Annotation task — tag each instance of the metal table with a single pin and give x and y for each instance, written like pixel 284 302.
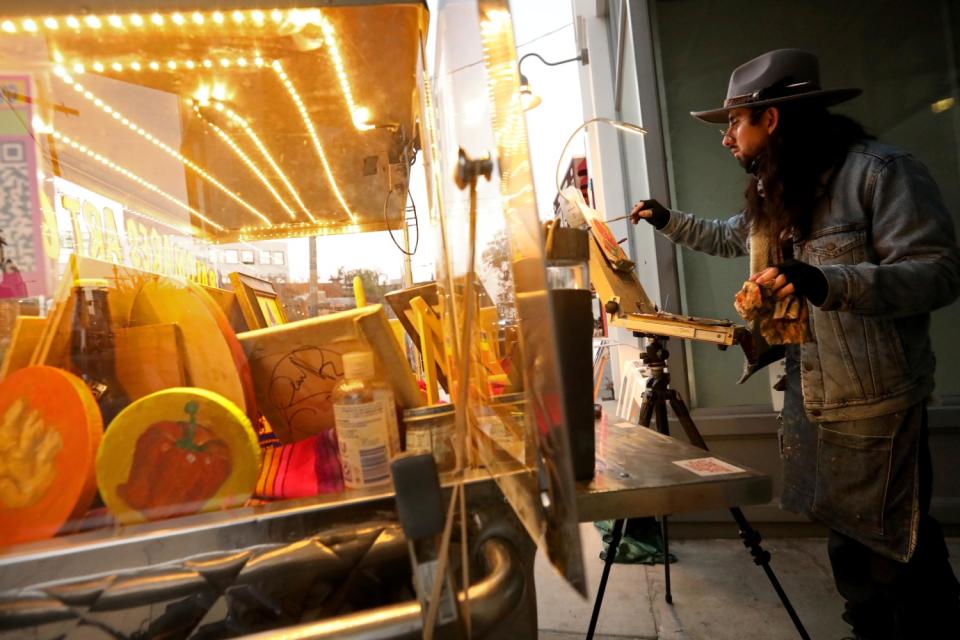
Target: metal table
pixel 636 476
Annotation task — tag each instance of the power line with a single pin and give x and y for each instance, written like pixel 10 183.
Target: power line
pixel 522 44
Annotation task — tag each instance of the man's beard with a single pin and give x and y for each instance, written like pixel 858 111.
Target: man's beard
pixel 751 164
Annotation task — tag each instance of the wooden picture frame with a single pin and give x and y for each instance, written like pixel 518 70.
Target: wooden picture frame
pixel 259 301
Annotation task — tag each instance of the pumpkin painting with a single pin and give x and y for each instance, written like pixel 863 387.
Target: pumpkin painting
pixel 177 466
pixel 177 452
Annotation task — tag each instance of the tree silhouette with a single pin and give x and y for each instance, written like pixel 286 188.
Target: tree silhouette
pixel 374 282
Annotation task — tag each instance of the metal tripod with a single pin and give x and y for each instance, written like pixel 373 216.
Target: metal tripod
pixel 654 403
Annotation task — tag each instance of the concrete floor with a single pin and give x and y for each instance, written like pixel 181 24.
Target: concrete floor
pixel 718 594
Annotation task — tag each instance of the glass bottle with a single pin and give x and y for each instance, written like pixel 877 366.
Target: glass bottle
pixel 366 425
pixel 93 349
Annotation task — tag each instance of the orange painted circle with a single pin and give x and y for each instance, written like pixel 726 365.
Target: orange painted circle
pixel 177 452
pixel 50 429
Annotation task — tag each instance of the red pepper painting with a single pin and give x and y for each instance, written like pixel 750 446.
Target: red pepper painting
pixel 177 466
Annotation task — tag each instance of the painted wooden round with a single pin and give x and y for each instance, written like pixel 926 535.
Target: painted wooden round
pixel 50 428
pixel 213 357
pixel 177 452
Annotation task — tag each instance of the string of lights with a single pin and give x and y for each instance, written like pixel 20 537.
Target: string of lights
pixel 254 23
pixel 238 120
pixel 110 164
pixel 38 126
pixel 311 130
pixel 256 19
pixel 240 153
pixel 359 115
pixel 149 137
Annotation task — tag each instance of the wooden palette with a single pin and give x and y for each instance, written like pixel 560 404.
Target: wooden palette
pixel 50 428
pixel 177 452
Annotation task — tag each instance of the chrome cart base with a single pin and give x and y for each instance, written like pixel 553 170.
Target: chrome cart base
pixel 305 570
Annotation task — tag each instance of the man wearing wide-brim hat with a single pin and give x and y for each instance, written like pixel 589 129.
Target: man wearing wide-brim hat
pixel 851 248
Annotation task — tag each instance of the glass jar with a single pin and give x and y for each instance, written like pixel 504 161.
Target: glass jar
pixel 432 430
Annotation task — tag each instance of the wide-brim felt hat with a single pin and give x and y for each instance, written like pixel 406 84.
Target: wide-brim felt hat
pixel 776 77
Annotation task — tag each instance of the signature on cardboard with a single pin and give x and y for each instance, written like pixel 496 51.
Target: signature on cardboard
pixel 301 384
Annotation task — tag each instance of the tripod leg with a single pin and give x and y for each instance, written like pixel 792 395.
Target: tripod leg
pixel 646 408
pixel 615 536
pixel 667 591
pixel 683 416
pixel 660 408
pixel 761 557
pixel 749 535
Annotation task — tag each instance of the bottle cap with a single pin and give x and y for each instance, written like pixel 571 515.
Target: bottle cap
pixel 358 364
pixel 91 283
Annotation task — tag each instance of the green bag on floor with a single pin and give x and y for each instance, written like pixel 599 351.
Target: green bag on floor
pixel 641 543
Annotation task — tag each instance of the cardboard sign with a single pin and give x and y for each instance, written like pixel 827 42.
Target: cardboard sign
pixel 24 267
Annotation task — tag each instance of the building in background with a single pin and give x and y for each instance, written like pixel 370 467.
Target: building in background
pixel 266 259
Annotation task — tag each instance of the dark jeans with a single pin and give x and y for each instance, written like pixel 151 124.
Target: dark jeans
pixel 887 599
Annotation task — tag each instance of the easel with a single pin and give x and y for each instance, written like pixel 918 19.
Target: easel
pixel 615 286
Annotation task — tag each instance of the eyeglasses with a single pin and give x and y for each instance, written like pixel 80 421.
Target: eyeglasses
pixel 731 127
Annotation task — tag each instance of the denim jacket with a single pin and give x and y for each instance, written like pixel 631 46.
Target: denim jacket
pixel 850 442
pixel 885 242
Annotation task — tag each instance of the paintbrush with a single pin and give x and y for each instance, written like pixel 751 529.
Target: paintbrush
pixel 617 219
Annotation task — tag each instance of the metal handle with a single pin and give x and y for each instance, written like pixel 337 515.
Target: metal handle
pixel 491 599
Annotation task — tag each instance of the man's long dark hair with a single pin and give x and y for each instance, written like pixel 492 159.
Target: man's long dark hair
pixel 808 142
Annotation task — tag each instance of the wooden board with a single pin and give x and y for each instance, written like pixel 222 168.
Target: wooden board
pixel 296 365
pixel 399 301
pixel 149 358
pixel 54 346
pixel 50 428
pixel 615 285
pixel 607 242
pixel 227 301
pixel 177 452
pixel 27 332
pixel 213 358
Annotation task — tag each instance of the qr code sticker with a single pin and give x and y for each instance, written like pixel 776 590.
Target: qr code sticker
pixel 17 248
